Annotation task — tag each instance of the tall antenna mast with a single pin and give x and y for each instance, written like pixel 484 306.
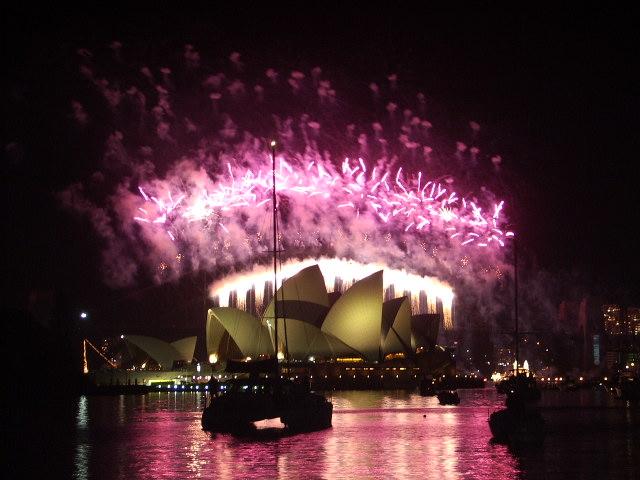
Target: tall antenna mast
pixel 275 245
pixel 515 300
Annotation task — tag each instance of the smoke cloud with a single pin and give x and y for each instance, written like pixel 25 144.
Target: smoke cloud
pixel 186 175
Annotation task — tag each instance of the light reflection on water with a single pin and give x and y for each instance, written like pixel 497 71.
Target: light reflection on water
pixel 374 435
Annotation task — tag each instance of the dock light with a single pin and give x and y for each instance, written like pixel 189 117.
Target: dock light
pixel 83 315
pixel 605 379
pixel 581 379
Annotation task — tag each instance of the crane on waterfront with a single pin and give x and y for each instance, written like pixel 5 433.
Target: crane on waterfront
pixel 85 363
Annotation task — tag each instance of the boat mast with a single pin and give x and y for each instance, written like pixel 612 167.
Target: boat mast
pixel 515 299
pixel 275 247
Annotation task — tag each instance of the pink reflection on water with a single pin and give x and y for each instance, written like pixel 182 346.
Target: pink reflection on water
pixel 374 435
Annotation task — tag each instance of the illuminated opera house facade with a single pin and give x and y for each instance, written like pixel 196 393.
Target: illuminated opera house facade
pixel 359 325
pixel 328 310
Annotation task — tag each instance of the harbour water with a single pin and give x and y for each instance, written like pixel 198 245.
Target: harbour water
pixel 375 434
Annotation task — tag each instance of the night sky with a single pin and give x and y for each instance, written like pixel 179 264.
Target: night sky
pixel 555 89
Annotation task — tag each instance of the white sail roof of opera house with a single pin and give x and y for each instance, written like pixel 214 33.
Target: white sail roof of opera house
pixel 186 347
pixel 249 334
pixel 396 325
pixel 356 316
pixel 164 353
pixel 302 297
pixel 357 324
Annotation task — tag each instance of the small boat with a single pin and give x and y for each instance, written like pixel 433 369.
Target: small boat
pixel 518 424
pixel 236 404
pixel 448 397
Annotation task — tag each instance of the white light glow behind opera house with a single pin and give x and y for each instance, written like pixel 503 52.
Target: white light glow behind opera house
pixel 339 301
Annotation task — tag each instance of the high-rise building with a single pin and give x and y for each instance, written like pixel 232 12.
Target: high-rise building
pixel 622 327
pixel 613 321
pixel 632 321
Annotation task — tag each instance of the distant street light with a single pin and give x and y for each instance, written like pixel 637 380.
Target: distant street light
pixel 84 315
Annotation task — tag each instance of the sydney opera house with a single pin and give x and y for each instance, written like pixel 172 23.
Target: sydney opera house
pixel 361 319
pixel 331 313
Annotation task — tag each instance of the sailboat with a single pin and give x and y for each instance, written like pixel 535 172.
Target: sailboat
pixel 236 404
pixel 520 423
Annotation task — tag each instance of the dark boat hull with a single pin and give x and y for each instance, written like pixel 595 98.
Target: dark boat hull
pixel 236 413
pixel 513 427
pixel 308 418
pixel 231 414
pixel 448 398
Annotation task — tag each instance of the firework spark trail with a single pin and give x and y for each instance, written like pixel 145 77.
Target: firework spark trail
pixel 197 184
pixel 407 206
